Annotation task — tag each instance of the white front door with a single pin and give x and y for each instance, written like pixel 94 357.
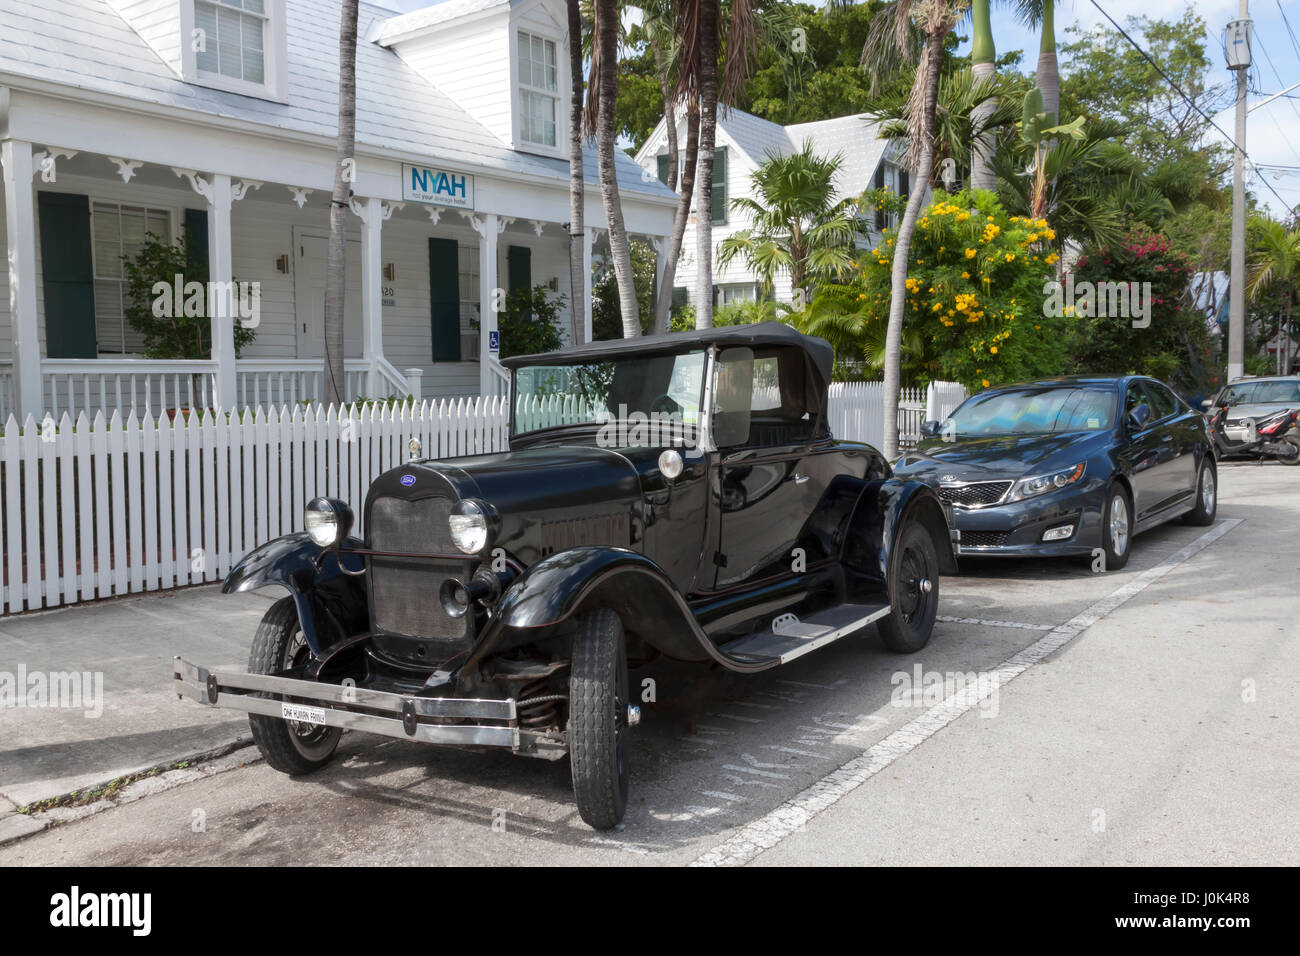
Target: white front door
pixel 309 297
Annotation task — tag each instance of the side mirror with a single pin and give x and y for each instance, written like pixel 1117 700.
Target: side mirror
pixel 1206 403
pixel 1138 418
pixel 929 429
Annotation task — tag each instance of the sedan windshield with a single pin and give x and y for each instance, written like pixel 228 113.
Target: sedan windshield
pixel 654 399
pixel 1033 411
pixel 1280 392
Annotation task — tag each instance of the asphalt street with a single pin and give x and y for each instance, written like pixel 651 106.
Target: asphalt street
pixel 1058 716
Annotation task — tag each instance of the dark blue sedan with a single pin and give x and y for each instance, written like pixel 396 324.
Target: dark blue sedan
pixel 1066 466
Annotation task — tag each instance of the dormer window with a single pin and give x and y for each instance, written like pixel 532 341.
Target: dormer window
pixel 235 45
pixel 233 38
pixel 538 90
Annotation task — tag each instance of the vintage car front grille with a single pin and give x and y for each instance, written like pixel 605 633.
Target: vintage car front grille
pixel 983 539
pixel 975 494
pixel 404 591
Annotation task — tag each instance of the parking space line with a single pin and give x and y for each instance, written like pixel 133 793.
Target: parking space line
pixel 983 623
pixel 775 826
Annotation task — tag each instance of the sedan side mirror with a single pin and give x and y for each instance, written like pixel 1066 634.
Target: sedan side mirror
pixel 929 429
pixel 1206 403
pixel 1138 418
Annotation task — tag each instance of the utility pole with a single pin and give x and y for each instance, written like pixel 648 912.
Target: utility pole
pixel 1237 49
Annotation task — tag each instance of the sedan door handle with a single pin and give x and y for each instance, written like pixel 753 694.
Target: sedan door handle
pixel 798 478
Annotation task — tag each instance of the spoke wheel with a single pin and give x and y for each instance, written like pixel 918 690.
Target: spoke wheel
pixel 1116 527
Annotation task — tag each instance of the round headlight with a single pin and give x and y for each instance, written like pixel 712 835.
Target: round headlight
pixel 328 521
pixel 469 526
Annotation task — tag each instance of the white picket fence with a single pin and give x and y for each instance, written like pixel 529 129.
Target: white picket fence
pixel 98 508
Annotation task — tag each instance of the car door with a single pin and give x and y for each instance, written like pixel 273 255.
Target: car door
pixel 1143 450
pixel 1185 438
pixel 771 474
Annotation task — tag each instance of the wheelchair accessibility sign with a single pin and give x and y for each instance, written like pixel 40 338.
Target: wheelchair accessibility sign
pixel 494 341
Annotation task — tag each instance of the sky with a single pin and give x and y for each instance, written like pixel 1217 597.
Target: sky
pixel 1272 131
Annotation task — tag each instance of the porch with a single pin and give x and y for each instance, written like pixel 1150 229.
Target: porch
pixel 417 275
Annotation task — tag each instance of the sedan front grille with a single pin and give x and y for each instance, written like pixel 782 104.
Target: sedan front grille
pixel 983 539
pixel 404 591
pixel 975 494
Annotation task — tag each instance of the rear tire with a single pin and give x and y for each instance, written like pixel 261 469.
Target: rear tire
pixel 1207 495
pixel 1294 459
pixel 287 746
pixel 913 592
pixel 598 728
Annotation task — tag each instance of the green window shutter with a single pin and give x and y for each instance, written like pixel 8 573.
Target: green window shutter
pixel 444 299
pixel 68 275
pixel 663 168
pixel 719 194
pixel 196 224
pixel 880 184
pixel 519 268
pixel 903 188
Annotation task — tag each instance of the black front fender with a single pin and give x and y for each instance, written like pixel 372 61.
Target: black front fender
pixel 556 588
pixel 331 604
pixel 884 510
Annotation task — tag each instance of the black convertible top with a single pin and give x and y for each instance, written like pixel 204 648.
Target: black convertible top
pixel 820 354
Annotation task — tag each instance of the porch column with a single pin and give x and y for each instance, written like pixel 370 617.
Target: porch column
pixel 487 296
pixel 20 234
pixel 372 216
pixel 221 270
pixel 588 237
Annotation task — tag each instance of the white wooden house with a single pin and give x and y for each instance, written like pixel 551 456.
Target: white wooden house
pixel 121 117
pixel 743 142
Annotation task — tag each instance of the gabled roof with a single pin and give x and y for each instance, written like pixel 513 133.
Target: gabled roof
pixel 84 45
pixel 854 137
pixel 388 29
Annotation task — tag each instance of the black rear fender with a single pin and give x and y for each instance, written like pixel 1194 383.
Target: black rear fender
pixel 332 605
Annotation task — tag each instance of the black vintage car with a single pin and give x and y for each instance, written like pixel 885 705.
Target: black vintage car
pixel 678 495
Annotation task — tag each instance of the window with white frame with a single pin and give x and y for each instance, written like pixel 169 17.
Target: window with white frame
pixel 539 100
pixel 230 39
pixel 119 231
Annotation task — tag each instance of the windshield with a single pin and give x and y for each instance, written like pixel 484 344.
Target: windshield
pixel 656 397
pixel 1282 392
pixel 1033 411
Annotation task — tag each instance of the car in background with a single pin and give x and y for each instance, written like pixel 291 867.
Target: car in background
pixel 1066 466
pixel 1257 418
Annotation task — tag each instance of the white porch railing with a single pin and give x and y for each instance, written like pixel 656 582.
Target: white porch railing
pixel 162 387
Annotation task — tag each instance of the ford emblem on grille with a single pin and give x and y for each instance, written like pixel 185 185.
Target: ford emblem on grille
pixel 408 480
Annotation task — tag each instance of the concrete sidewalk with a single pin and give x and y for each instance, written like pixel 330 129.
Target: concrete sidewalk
pixel 49 749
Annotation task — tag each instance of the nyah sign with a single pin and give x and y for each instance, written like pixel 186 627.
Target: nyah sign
pixel 441 187
pixel 1107 300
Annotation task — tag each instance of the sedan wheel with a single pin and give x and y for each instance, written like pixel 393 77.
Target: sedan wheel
pixel 1207 496
pixel 1117 528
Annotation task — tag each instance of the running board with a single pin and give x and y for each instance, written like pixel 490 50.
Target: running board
pixel 790 637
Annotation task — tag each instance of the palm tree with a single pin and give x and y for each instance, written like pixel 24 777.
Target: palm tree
pixel 983 67
pixel 796 224
pixel 707 12
pixel 344 169
pixel 1036 14
pixel 577 185
pixel 892 39
pixel 1277 264
pixel 601 100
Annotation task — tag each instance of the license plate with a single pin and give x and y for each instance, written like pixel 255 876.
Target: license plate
pixel 301 714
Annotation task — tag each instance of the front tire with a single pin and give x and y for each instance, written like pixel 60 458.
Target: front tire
pixel 1117 527
pixel 1207 496
pixel 1295 458
pixel 913 592
pixel 598 726
pixel 288 746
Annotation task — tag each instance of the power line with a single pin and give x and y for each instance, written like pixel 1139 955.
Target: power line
pixel 1294 42
pixel 1190 102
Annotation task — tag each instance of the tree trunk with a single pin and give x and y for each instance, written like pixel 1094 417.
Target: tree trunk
pixel 577 186
pixel 685 197
pixel 983 67
pixel 670 112
pixel 704 192
pixel 1048 79
pixel 344 175
pixel 931 61
pixel 620 252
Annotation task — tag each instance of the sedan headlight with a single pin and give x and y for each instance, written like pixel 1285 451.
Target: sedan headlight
pixel 468 523
pixel 1041 484
pixel 328 521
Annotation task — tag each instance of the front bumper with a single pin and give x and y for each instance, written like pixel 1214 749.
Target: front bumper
pixel 1016 529
pixel 454 721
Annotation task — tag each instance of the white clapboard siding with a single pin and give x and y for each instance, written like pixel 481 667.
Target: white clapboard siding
pixel 98 508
